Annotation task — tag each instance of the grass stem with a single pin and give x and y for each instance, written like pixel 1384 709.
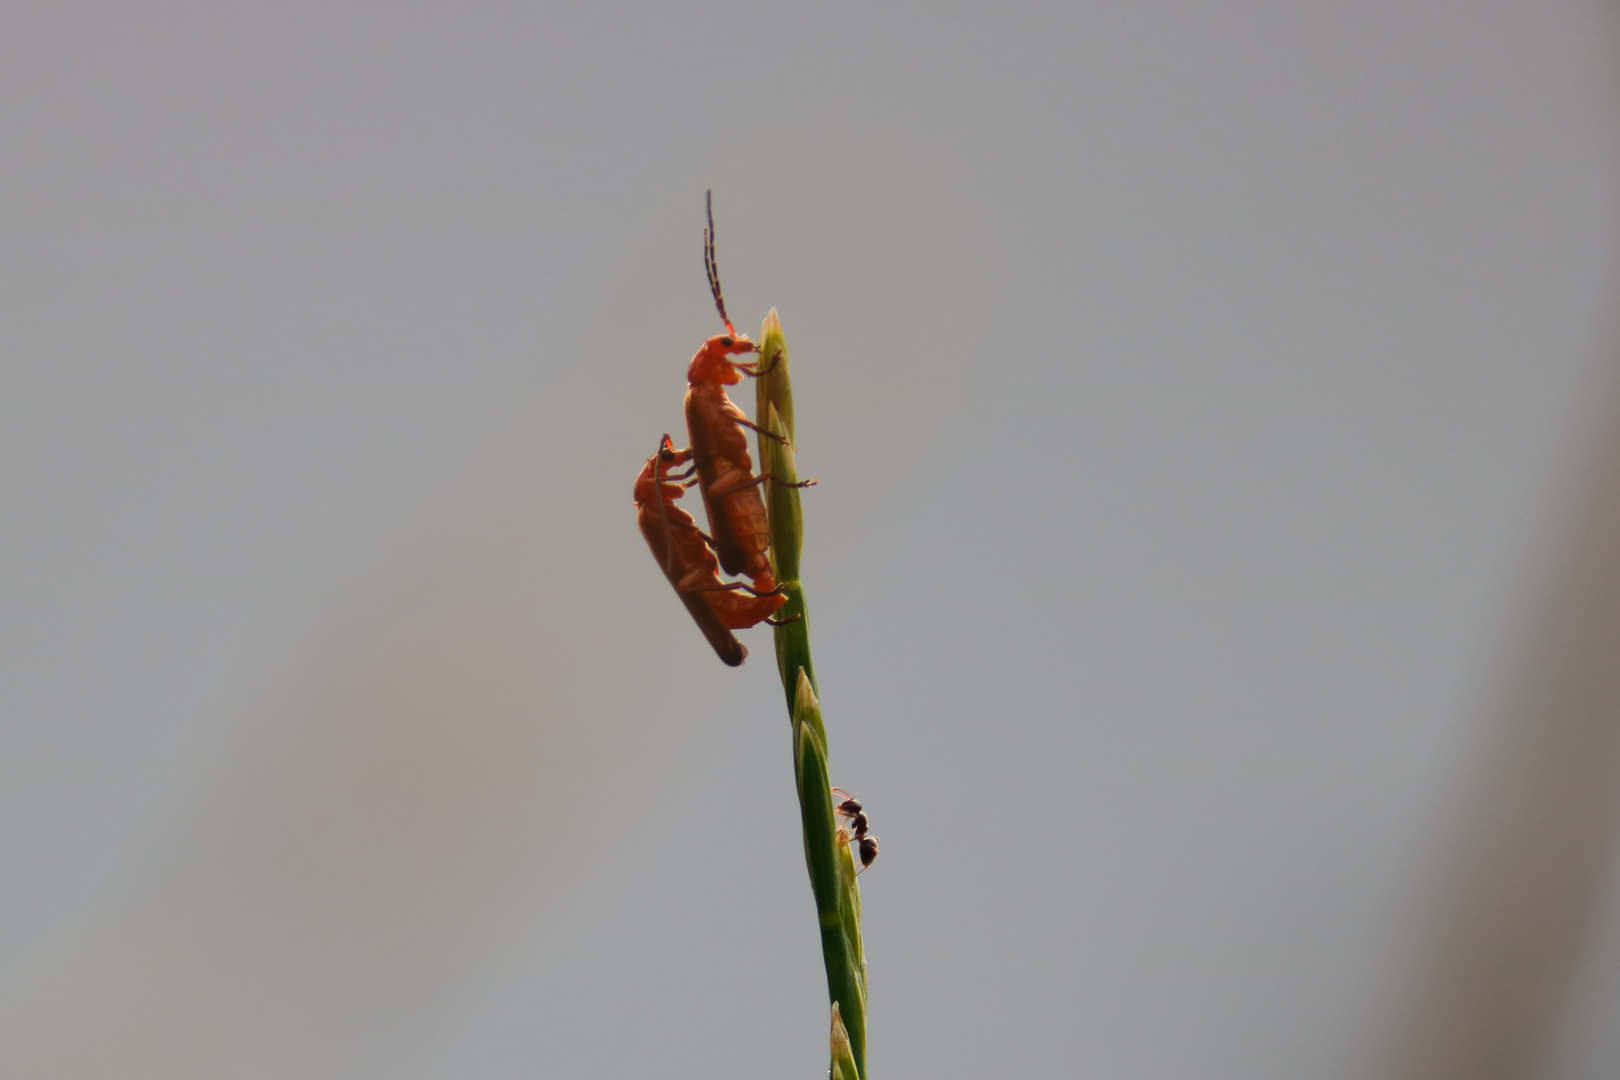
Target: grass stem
pixel 830 862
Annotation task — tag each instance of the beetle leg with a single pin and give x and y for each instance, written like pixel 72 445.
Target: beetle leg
pixel 729 484
pixel 753 481
pixel 752 369
pixel 762 477
pixel 732 586
pixel 755 427
pixel 692 581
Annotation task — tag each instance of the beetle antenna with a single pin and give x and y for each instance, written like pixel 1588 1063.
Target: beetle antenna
pixel 711 267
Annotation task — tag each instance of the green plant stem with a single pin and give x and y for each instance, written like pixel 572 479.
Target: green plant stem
pixel 830 863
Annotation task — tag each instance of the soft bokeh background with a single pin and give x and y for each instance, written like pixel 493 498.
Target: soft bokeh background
pixel 1201 397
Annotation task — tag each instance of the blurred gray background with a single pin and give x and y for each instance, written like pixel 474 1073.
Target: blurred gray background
pixel 1209 403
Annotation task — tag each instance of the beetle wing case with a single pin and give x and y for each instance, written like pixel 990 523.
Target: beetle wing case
pixel 673 539
pixel 703 436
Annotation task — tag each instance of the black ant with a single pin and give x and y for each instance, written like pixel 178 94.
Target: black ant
pixel 849 808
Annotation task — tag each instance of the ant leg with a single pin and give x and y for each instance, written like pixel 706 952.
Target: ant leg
pixel 784 622
pixel 789 483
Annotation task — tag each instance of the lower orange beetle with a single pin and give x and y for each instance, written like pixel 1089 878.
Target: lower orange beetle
pixel 683 553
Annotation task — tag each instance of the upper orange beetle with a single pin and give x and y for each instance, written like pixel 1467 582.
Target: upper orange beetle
pixel 714 424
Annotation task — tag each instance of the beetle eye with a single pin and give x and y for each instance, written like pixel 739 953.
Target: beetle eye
pixel 727 342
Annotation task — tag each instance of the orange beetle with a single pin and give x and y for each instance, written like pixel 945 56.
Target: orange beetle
pixel 683 553
pixel 725 472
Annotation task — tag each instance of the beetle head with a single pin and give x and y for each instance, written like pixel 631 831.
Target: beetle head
pixel 651 484
pixel 647 483
pixel 713 364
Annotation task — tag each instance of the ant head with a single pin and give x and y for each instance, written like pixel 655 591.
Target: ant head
pixel 666 450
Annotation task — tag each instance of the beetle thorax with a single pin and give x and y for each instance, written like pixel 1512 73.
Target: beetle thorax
pixel 712 363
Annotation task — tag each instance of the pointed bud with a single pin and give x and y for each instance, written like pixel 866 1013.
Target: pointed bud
pixel 843 1056
pixel 775 388
pixel 805 699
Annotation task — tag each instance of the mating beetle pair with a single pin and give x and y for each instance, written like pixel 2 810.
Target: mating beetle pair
pixel 739 538
pixel 739 533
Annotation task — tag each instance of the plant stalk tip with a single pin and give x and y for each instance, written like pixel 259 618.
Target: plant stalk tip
pixel 805 697
pixel 840 1034
pixel 843 1055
